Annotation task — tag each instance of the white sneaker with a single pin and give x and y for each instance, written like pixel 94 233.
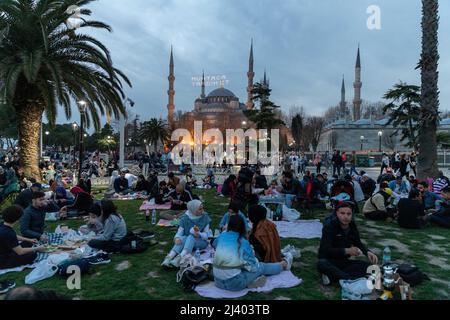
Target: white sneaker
pixel 325 280
pixel 289 259
pixel 175 262
pixel 166 262
pixel 286 249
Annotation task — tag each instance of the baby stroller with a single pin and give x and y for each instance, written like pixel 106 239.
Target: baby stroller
pixel 343 190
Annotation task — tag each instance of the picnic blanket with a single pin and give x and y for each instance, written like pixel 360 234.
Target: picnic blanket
pixel 167 223
pixel 285 279
pixel 149 206
pixel 18 269
pixel 301 229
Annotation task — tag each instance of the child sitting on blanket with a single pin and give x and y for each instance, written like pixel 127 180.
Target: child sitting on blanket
pixel 233 209
pixel 93 221
pixel 13 254
pixel 193 233
pixel 264 235
pixel 235 267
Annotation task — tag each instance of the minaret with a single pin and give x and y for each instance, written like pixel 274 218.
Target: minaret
pixel 171 91
pixel 203 86
pixel 250 75
pixel 343 103
pixel 357 85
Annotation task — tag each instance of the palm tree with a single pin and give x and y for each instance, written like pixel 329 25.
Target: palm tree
pixel 45 64
pixel 428 64
pixel 154 131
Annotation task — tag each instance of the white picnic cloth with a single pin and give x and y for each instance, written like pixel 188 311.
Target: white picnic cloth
pixel 18 269
pixel 301 229
pixel 285 279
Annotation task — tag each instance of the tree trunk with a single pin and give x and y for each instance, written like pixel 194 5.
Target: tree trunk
pixel 427 158
pixel 29 119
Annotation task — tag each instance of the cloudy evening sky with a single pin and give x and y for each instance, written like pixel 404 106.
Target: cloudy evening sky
pixel 305 45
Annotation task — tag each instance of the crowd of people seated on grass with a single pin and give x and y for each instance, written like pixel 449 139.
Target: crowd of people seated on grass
pixel 248 247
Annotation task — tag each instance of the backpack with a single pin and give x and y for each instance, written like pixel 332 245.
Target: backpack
pixel 194 275
pixel 132 243
pixel 344 157
pixel 411 274
pixel 83 264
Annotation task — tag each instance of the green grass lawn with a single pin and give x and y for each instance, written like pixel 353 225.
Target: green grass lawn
pixel 145 279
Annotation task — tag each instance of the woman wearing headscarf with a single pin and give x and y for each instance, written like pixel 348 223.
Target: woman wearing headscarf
pixel 264 235
pixel 83 201
pixel 193 233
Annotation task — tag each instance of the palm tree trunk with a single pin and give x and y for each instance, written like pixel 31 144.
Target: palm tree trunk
pixel 428 166
pixel 29 119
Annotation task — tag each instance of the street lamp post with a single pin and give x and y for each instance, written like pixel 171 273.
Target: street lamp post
pixel 46 134
pixel 74 127
pixel 380 134
pixel 82 106
pixel 362 141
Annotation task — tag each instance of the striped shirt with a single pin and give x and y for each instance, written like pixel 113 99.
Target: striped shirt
pixel 439 184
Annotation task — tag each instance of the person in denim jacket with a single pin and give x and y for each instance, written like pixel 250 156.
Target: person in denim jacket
pixel 235 266
pixel 193 233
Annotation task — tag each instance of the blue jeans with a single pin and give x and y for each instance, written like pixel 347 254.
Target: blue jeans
pixel 190 243
pixel 289 199
pixel 242 280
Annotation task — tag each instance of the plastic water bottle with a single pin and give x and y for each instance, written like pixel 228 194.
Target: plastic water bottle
pixel 386 255
pixel 197 255
pixel 154 216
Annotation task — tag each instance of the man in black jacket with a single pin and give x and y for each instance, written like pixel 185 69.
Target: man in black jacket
pixel 32 223
pixel 179 198
pixel 337 162
pixel 25 197
pixel 340 241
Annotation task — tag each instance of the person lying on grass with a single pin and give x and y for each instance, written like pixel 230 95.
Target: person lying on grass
pixel 83 201
pixel 235 266
pixel 114 227
pixel 13 254
pixel 340 242
pixel 193 233
pixel 32 222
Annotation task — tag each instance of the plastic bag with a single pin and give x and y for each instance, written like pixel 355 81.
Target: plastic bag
pixel 355 289
pixel 44 270
pixel 290 214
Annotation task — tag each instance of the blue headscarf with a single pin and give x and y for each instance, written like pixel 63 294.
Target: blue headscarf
pixel 61 190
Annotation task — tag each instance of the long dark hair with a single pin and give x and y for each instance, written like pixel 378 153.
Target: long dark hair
pixel 256 214
pixel 108 208
pixel 237 224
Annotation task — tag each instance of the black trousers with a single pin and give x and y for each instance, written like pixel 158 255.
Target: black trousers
pixel 440 220
pixel 14 260
pixel 342 269
pixel 378 215
pixel 107 246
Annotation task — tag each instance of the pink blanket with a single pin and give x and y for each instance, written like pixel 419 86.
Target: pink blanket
pixel 286 279
pixel 146 206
